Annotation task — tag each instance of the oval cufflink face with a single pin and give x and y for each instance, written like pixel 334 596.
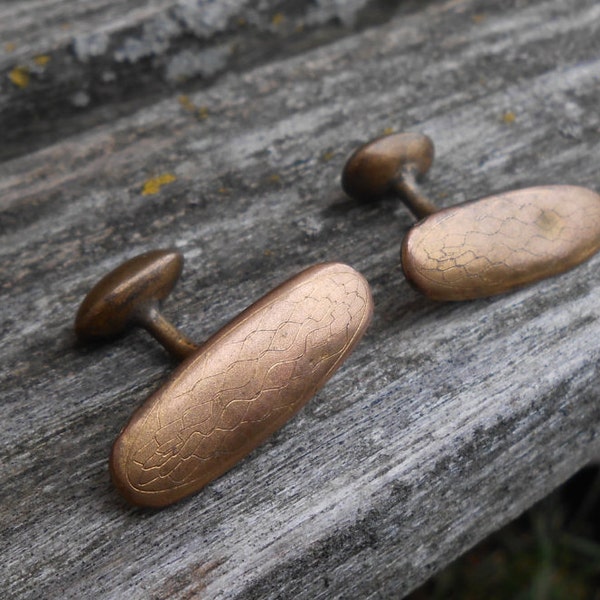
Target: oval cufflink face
pixel 502 242
pixel 243 384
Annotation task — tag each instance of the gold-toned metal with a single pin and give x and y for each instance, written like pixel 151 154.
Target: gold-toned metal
pixel 241 385
pixel 129 296
pixel 391 163
pixel 478 248
pixel 493 245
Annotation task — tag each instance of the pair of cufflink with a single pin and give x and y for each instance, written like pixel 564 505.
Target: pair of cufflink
pixel 249 378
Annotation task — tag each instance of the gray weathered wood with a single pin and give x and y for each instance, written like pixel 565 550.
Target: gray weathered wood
pixel 88 62
pixel 447 421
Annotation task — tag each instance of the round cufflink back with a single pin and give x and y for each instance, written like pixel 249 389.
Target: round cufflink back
pixel 391 164
pixel 129 296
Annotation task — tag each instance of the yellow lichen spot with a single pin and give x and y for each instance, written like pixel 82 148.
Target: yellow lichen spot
pixel 479 18
pixel 241 22
pixel 152 186
pixel 201 112
pixel 224 191
pixel 10 47
pixel 66 26
pixel 388 131
pixel 20 76
pixel 275 178
pixel 509 117
pixel 328 156
pixel 278 19
pixel 41 60
pixel 268 252
pixel 186 103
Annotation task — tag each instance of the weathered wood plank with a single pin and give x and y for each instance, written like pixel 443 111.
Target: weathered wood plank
pixel 447 421
pixel 67 65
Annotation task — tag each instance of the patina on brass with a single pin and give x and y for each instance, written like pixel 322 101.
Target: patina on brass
pixel 478 248
pixel 129 296
pixel 392 163
pixel 493 245
pixel 240 386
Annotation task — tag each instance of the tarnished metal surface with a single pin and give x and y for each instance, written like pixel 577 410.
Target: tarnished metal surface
pixel 112 304
pixel 242 385
pixel 391 163
pixel 129 296
pixel 498 243
pixel 446 420
pixel 480 248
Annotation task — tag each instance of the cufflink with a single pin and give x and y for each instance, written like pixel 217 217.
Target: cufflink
pixel 478 248
pixel 234 390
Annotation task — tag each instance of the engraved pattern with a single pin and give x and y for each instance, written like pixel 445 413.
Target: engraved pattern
pixel 495 244
pixel 244 383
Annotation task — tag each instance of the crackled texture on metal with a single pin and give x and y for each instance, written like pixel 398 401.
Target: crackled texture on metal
pixel 501 242
pixel 242 385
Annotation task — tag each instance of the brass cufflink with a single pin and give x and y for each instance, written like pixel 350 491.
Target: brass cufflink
pixel 237 388
pixel 482 247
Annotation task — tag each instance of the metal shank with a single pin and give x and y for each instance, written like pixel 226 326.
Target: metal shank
pixel 391 163
pixel 129 295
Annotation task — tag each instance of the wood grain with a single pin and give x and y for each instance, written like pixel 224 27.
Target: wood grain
pixel 447 421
